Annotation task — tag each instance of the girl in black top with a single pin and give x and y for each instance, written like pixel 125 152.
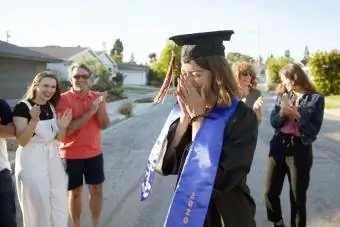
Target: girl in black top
pixel 40 177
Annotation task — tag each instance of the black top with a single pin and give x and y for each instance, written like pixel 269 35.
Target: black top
pixel 202 44
pixel 231 197
pixel 22 110
pixel 5 113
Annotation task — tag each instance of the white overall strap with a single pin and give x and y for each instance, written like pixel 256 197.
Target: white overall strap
pixel 28 104
pixel 53 111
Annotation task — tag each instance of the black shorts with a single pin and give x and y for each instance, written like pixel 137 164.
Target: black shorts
pixel 92 169
pixel 7 200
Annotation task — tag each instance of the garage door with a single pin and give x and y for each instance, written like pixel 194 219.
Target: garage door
pixel 134 78
pixel 15 75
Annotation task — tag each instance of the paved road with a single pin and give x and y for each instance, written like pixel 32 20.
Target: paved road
pixel 127 146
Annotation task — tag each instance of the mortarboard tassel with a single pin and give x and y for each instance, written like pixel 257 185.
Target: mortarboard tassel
pixel 169 77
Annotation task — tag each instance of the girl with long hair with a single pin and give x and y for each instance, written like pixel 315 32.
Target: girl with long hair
pixel 40 177
pixel 208 140
pixel 297 118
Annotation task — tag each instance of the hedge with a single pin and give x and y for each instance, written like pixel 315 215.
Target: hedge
pixel 325 69
pixel 274 65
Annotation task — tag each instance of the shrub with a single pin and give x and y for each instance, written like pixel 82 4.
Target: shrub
pixel 325 69
pixel 126 108
pixel 274 66
pixel 65 86
pixel 144 100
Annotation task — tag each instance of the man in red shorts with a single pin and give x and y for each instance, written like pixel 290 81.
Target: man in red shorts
pixel 81 150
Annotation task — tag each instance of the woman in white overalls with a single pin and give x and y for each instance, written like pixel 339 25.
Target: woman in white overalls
pixel 40 177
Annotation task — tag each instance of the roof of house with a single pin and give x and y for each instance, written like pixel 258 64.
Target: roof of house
pixel 58 51
pixel 131 66
pixel 100 52
pixel 13 51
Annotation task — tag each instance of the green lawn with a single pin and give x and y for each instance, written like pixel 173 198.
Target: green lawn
pixel 333 102
pixel 334 97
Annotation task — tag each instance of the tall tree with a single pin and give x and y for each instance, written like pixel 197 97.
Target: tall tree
pixel 152 57
pixel 237 57
pixel 132 58
pixel 287 54
pixel 162 63
pixel 305 58
pixel 117 50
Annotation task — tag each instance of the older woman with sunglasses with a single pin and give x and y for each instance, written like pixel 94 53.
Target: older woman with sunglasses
pixel 246 79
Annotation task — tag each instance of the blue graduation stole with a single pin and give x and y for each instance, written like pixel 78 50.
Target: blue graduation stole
pixel 191 200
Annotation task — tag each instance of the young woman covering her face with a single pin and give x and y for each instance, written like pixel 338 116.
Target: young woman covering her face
pixel 297 118
pixel 208 140
pixel 246 79
pixel 40 177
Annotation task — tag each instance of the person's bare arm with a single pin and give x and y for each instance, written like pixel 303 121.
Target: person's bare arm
pixel 24 129
pixel 7 130
pixel 76 124
pixel 103 117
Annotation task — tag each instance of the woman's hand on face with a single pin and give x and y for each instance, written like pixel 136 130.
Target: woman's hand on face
pixel 64 119
pixel 194 98
pixel 180 98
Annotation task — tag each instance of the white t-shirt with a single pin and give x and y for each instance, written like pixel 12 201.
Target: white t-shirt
pixel 4 162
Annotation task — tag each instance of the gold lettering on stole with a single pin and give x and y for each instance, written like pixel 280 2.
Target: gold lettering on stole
pixel 190 204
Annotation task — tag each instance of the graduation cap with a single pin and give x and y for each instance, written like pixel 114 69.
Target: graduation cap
pixel 194 46
pixel 202 44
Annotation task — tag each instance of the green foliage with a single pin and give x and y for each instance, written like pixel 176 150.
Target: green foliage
pixel 117 48
pixel 118 79
pixel 117 51
pixel 117 57
pixel 325 69
pixel 144 100
pixel 160 66
pixel 238 57
pixel 103 81
pixel 65 85
pixel 154 79
pixel 274 66
pixel 126 108
pixel 306 57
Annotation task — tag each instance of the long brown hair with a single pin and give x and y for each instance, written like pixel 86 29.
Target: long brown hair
pixel 239 68
pixel 224 84
pixel 31 90
pixel 296 74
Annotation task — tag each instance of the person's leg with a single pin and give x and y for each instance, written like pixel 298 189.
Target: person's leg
pixel 94 177
pixel 7 200
pixel 276 172
pixel 299 167
pixel 75 171
pixel 33 189
pixel 58 189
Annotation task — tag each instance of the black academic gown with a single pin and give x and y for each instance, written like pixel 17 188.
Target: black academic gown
pixel 231 199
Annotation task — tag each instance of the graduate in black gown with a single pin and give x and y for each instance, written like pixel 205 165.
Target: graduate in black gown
pixel 206 82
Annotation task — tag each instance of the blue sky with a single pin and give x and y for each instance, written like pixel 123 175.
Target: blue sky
pixel 265 26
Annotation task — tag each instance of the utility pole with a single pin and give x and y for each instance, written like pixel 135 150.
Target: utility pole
pixel 7 36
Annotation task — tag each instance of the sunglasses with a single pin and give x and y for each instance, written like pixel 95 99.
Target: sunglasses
pixel 246 73
pixel 84 76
